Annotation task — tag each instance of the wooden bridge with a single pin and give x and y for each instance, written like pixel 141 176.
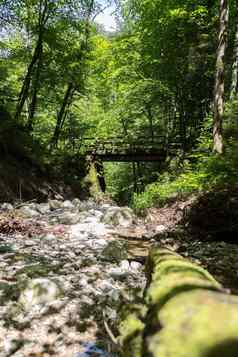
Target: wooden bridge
pixel 119 149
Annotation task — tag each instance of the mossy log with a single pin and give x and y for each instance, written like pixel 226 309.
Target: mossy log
pixel 185 313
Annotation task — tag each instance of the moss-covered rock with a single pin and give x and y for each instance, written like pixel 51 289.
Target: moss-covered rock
pixel 186 313
pixel 92 180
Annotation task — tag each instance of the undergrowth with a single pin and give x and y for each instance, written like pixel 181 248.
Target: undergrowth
pixel 202 170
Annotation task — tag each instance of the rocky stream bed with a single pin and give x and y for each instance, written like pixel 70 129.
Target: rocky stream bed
pixel 66 268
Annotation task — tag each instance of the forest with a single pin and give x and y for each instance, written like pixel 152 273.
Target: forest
pixel 64 78
pixel 118 178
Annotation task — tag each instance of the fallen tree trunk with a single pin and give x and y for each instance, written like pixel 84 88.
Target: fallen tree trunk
pixel 185 313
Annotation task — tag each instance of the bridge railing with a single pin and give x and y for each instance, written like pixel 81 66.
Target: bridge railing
pixel 121 144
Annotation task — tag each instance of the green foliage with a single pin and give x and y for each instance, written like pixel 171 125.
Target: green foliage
pixel 202 171
pixel 162 192
pixel 153 78
pixel 210 171
pixel 119 179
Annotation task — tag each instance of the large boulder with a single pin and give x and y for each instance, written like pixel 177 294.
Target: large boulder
pixel 115 251
pixel 118 216
pixel 29 211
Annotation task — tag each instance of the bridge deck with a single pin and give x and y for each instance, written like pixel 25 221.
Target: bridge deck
pixel 130 157
pixel 119 149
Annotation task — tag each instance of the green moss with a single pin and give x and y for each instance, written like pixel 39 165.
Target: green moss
pixel 172 274
pixel 157 256
pixel 160 291
pixel 194 323
pixel 185 313
pixel 180 266
pixel 131 336
pixel 92 179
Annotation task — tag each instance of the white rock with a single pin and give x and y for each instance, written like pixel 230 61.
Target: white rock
pixel 108 289
pixel 105 207
pixel 55 204
pixel 125 265
pixel 39 292
pixel 102 242
pixel 105 286
pixel 135 265
pixel 83 283
pixel 160 229
pixel 77 203
pixel 68 218
pixel 118 273
pixel 122 216
pixel 68 204
pixel 82 230
pixel 28 211
pixel 96 213
pixel 96 243
pixel 49 237
pixel 43 208
pixel 115 294
pixel 12 342
pixel 6 206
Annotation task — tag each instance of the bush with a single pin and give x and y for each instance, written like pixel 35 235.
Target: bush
pixel 203 170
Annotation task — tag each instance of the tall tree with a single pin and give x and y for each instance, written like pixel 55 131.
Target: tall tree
pixel 42 11
pixel 76 81
pixel 219 79
pixel 234 75
pixel 178 50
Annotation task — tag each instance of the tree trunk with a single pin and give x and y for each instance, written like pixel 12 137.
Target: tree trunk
pixel 234 75
pixel 185 313
pixel 62 113
pixel 140 178
pixel 35 89
pixel 219 79
pixel 72 86
pixel 28 78
pixel 135 186
pixel 151 122
pixel 43 17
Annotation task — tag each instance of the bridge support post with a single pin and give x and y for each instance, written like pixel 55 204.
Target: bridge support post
pixel 100 174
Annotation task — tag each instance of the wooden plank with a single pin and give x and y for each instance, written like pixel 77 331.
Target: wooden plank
pixel 109 157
